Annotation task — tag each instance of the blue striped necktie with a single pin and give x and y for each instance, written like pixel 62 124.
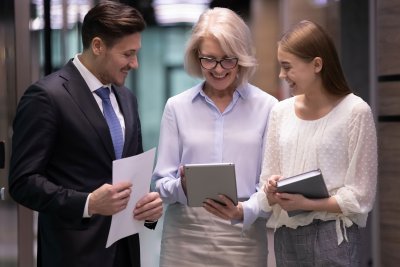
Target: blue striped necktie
pixel 112 121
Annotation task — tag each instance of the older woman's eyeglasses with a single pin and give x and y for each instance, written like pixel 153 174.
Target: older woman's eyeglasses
pixel 209 63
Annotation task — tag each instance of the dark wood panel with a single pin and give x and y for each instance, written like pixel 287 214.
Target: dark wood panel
pixel 389 98
pixel 388 37
pixel 389 196
pixel 389 137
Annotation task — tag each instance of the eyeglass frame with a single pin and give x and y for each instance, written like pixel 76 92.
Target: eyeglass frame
pixel 218 62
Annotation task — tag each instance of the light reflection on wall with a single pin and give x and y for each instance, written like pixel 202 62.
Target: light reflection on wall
pixel 76 11
pixel 169 12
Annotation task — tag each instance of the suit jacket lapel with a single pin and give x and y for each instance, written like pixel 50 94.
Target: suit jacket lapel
pixel 80 92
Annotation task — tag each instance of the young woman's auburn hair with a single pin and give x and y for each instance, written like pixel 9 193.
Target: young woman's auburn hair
pixel 308 40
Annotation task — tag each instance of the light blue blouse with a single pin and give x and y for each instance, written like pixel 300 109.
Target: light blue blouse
pixel 193 130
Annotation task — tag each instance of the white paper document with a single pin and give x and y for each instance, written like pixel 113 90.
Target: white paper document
pixel 137 170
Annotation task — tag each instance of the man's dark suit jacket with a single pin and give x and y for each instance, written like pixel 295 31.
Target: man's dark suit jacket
pixel 61 151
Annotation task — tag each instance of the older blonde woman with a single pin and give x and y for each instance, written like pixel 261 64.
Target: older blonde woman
pixel 222 119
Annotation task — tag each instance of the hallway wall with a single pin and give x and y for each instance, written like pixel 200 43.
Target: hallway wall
pixel 388 68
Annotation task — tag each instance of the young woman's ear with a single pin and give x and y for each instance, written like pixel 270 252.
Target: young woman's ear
pixel 317 64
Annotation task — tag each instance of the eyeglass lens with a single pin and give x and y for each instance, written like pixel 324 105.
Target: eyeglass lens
pixel 210 63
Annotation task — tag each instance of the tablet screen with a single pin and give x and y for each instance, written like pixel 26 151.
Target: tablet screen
pixel 208 181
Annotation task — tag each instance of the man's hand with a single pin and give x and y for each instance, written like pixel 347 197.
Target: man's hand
pixel 227 210
pixel 109 199
pixel 149 207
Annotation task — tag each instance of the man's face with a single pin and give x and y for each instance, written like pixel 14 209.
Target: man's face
pixel 115 62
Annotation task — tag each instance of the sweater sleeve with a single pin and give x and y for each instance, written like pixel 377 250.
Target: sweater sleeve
pixel 358 193
pixel 271 161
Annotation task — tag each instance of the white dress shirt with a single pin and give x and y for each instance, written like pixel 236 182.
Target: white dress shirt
pixel 93 83
pixel 193 130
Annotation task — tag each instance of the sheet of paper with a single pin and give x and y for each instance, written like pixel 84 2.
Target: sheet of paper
pixel 138 170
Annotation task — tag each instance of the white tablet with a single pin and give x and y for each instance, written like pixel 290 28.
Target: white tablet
pixel 208 181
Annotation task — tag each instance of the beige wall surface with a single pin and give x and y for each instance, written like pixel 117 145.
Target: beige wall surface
pixel 265 27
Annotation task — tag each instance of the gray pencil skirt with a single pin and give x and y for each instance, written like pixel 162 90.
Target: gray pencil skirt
pixel 316 244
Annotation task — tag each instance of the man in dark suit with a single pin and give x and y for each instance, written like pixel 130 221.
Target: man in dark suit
pixel 63 148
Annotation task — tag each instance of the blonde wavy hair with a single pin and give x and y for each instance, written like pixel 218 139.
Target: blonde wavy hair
pixel 233 35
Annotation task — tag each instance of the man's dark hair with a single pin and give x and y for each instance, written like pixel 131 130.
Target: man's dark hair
pixel 111 21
